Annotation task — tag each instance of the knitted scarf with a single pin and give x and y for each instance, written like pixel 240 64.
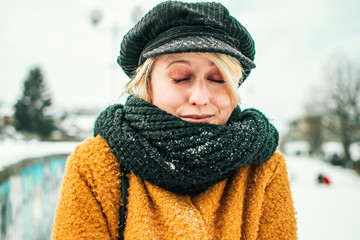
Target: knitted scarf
pixel 179 156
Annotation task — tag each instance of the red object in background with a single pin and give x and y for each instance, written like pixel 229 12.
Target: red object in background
pixel 323 179
pixel 326 180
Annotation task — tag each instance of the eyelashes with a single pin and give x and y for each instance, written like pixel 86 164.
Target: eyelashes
pixel 220 81
pixel 180 80
pixel 217 81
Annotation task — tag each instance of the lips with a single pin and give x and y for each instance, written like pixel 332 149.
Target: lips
pixel 201 118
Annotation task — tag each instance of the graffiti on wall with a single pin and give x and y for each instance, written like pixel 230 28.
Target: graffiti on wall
pixel 28 199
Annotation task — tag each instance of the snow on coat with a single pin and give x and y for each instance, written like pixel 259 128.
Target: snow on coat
pixel 255 203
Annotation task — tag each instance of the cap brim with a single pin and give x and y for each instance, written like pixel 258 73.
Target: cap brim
pixel 199 44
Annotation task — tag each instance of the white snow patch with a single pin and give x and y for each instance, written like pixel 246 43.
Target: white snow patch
pixel 324 212
pixel 13 151
pixel 297 148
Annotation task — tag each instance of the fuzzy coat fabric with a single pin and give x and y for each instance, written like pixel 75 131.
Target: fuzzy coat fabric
pixel 255 203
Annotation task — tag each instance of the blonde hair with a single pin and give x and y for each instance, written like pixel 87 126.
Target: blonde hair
pixel 229 67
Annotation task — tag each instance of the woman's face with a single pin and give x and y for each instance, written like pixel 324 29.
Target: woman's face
pixel 191 87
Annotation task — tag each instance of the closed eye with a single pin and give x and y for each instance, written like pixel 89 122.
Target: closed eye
pixel 217 81
pixel 180 80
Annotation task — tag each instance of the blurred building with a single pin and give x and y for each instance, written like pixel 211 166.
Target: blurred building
pixel 308 136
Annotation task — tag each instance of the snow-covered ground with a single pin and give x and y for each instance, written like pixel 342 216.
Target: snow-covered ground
pixel 330 212
pixel 12 151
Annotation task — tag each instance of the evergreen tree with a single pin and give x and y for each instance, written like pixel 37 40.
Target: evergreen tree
pixel 32 109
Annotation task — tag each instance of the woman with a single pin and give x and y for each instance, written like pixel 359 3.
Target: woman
pixel 180 160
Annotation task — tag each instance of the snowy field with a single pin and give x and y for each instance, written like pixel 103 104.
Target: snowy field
pixel 330 212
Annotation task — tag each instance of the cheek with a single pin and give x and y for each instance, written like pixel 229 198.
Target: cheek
pixel 222 98
pixel 165 96
pixel 224 105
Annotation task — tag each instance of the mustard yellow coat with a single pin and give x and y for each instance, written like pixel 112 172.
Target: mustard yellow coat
pixel 255 203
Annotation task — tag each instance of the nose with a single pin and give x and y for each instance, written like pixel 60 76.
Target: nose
pixel 199 94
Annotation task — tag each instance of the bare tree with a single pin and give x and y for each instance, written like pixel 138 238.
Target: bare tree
pixel 342 102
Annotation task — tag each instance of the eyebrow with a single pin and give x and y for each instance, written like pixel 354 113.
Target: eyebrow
pixel 185 62
pixel 178 61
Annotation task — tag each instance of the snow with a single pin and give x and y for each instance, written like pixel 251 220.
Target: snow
pixel 332 148
pixel 329 149
pixel 297 147
pixel 328 212
pixel 355 151
pixel 81 126
pixel 324 211
pixel 12 151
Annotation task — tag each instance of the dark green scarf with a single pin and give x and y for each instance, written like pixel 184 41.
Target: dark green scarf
pixel 179 156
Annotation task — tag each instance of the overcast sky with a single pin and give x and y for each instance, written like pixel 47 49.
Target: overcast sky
pixel 294 40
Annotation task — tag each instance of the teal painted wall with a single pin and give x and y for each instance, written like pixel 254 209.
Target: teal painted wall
pixel 28 200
